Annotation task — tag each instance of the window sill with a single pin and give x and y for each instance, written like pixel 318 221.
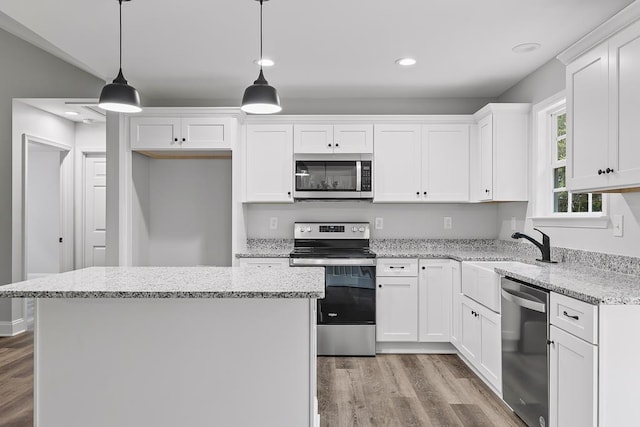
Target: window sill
pixel 572 221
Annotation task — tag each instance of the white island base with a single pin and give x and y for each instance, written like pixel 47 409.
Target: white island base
pixel 175 362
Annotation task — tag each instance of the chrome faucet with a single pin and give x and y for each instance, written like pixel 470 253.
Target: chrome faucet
pixel 545 246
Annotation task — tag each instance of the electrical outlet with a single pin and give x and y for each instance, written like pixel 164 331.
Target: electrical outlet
pixel 447 223
pixel 379 223
pixel 273 223
pixel 513 223
pixel 618 225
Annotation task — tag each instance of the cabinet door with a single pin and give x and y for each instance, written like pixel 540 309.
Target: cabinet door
pixel 353 138
pixel 490 347
pixel 269 163
pixel 470 332
pixel 485 159
pixel 397 163
pixel 434 301
pixel 155 133
pixel 397 309
pixel 624 74
pixel 313 139
pixel 456 304
pixel 445 163
pixel 204 133
pixel 588 120
pixel 572 380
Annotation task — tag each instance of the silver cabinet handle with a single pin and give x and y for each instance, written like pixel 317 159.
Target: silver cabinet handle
pixel 522 301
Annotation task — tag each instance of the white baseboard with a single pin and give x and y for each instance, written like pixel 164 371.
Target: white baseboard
pixel 415 348
pixel 9 329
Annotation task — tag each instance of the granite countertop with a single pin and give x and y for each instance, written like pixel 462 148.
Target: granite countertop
pixel 267 248
pixel 173 282
pixel 577 281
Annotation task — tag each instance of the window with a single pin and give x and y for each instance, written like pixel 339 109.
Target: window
pixel 565 201
pixel 553 204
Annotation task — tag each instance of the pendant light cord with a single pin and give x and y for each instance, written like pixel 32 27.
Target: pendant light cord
pixel 261 57
pixel 120 1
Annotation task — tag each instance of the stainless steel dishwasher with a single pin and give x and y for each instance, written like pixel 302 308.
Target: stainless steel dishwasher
pixel 525 352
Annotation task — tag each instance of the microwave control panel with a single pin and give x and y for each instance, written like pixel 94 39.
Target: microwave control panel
pixel 366 176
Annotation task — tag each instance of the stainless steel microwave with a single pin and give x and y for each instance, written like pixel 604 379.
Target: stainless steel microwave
pixel 344 176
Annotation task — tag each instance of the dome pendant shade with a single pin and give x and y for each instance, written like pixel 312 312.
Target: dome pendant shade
pixel 261 98
pixel 120 97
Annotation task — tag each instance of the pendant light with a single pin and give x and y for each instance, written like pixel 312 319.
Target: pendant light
pixel 119 96
pixel 260 97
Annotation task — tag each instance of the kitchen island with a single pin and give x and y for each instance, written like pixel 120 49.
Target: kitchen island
pixel 168 346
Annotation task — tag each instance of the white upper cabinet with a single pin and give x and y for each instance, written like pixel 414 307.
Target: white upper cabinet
pixel 175 133
pixel 500 153
pixel 343 139
pixel 397 163
pixel 445 163
pixel 269 163
pixel 587 119
pixel 416 163
pixel 603 106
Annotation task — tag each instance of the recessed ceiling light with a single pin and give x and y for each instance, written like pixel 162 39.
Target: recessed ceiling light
pixel 265 62
pixel 406 62
pixel 71 113
pixel 526 47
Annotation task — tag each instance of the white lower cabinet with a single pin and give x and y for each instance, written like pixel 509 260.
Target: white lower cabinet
pixel 397 309
pixel 573 381
pixel 480 340
pixel 456 304
pixel 434 300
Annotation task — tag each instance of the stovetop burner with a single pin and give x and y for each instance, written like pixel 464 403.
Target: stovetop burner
pixel 331 240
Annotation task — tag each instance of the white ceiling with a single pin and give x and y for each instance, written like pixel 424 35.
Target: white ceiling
pixel 204 49
pixel 87 109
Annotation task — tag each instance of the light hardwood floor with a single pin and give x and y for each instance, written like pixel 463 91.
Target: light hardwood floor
pixel 404 391
pixel 386 390
pixel 16 381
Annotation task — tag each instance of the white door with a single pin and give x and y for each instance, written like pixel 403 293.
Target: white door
pixel 573 380
pixel 397 309
pixel 434 301
pixel 445 163
pixel 491 347
pixel 269 163
pixel 470 332
pixel 588 120
pixel 397 165
pixel 624 74
pixel 353 139
pixel 313 139
pixel 485 141
pixel 205 133
pixel 155 133
pixel 95 198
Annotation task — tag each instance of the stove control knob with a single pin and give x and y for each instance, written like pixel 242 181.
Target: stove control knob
pixel 309 229
pixel 361 229
pixel 354 229
pixel 301 229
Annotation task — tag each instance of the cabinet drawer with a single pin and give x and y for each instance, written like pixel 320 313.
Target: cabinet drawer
pixel 576 317
pixel 264 262
pixel 386 267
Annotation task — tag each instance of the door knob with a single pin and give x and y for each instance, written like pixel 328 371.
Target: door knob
pixel 609 170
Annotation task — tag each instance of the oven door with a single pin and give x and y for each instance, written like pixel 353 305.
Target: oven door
pixel 350 296
pixel 338 179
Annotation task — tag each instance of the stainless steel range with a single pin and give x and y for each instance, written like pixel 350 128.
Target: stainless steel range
pixel 347 314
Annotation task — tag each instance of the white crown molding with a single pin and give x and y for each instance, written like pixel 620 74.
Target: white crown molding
pixel 505 107
pixel 378 119
pixel 617 22
pixel 189 111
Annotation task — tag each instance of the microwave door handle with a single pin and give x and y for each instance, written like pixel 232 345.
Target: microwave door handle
pixel 524 302
pixel 358 175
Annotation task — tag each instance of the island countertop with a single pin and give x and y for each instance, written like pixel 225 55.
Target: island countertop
pixel 173 282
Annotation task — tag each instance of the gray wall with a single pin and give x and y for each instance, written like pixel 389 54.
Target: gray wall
pixel 347 105
pixel 28 72
pixel 539 85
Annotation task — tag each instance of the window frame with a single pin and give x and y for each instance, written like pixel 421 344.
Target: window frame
pixel 545 160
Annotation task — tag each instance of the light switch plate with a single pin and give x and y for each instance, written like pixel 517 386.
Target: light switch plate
pixel 379 223
pixel 618 225
pixel 447 223
pixel 273 223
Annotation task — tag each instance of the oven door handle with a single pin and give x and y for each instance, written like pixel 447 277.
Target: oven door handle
pixel 321 262
pixel 521 301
